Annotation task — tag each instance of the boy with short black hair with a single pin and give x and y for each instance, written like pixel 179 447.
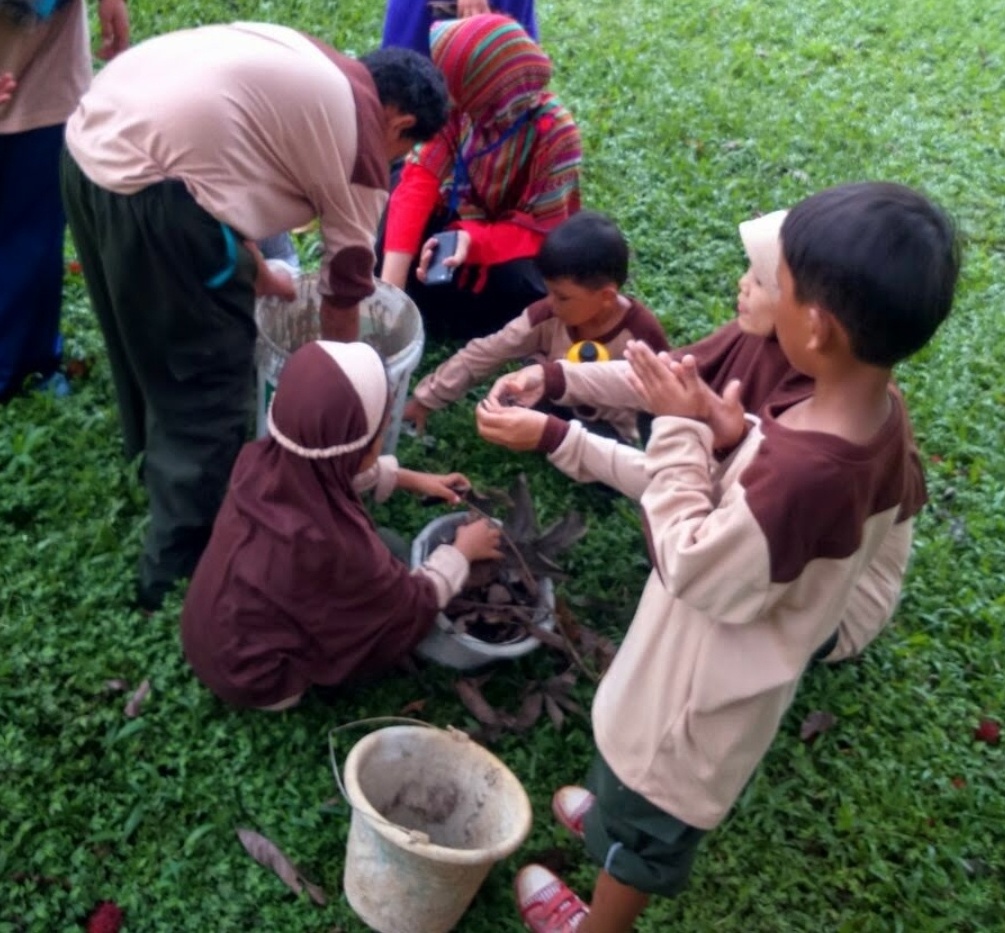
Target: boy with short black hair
pixel 756 557
pixel 584 264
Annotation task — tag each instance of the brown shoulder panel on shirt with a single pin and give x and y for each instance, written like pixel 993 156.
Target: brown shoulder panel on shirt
pixel 642 324
pixel 539 312
pixel 370 169
pixel 812 493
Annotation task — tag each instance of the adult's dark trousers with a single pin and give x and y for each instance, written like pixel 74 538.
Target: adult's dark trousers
pixel 32 225
pixel 173 291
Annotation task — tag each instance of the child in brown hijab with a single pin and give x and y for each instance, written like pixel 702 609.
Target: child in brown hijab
pixel 295 587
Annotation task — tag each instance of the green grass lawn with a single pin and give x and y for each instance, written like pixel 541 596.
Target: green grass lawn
pixel 694 117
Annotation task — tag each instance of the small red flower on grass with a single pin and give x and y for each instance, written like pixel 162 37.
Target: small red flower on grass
pixel 105 918
pixel 989 731
pixel 958 782
pixel 73 267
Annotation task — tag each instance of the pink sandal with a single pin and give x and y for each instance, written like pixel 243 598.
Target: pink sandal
pixel 546 903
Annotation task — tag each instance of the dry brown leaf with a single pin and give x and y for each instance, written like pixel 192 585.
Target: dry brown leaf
pixel 267 853
pixel 554 711
pixel 136 700
pixel 815 723
pixel 416 706
pixel 529 712
pixel 478 706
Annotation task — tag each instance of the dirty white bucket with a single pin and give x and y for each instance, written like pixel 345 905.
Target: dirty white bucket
pixel 459 650
pixel 432 811
pixel 389 321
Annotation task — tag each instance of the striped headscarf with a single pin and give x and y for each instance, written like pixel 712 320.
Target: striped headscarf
pixel 519 146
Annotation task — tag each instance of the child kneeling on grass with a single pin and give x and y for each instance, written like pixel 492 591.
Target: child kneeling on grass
pixel 755 556
pixel 584 264
pixel 296 588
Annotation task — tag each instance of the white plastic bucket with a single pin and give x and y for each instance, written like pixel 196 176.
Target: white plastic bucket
pixel 432 811
pixel 458 649
pixel 389 321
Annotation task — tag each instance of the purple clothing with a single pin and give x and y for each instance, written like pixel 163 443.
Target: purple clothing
pixel 407 22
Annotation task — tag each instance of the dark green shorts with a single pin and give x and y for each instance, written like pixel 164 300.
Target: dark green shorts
pixel 634 841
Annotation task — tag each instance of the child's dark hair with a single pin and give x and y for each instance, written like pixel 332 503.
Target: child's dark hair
pixel 881 258
pixel 587 248
pixel 412 83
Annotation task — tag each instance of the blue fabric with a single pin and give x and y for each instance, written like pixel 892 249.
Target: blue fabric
pixel 407 22
pixel 32 225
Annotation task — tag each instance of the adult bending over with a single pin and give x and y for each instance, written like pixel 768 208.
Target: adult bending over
pixel 186 146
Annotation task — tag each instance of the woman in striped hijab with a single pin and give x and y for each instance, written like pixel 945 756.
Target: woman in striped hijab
pixel 502 172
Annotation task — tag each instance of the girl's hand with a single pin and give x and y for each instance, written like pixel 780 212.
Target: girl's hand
pixel 479 540
pixel 512 427
pixel 460 254
pixel 525 387
pixel 446 486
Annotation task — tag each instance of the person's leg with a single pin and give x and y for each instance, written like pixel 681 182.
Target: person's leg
pixel 406 25
pixel 614 907
pixel 82 200
pixel 180 297
pixel 196 370
pixel 31 255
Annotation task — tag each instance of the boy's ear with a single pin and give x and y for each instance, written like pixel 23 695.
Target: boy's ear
pixel 821 329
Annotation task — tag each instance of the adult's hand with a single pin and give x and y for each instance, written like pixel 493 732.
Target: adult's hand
pixel 514 428
pixel 7 86
pixel 429 247
pixel 525 387
pixel 114 19
pixel 340 324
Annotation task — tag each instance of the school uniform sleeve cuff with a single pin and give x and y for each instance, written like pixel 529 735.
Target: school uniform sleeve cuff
pixel 554 380
pixel 554 433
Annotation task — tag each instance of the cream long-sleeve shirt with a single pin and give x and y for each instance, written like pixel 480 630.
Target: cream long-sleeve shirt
pixel 267 128
pixel 757 560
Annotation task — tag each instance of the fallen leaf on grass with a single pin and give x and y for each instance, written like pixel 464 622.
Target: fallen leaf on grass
pixel 78 368
pixel 105 918
pixel 989 731
pixel 416 706
pixel 136 700
pixel 471 696
pixel 267 853
pixel 817 722
pixel 555 713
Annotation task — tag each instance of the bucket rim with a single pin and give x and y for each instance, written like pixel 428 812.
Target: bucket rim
pixel 401 837
pixel 308 284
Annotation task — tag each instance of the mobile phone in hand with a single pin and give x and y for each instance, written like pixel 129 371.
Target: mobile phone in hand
pixel 446 246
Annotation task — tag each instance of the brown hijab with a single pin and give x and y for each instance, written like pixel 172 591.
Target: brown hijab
pixel 295 587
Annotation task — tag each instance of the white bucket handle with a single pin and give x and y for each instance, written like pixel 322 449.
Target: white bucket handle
pixel 415 836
